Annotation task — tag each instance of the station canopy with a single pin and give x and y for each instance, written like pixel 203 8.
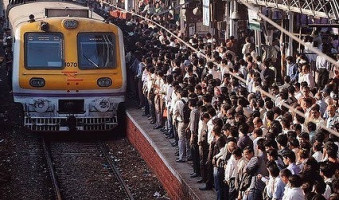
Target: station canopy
pixel 316 8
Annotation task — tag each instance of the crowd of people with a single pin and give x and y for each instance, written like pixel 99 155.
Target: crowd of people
pixel 242 143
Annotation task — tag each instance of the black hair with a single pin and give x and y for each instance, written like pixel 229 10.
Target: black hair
pixel 237 152
pixel 282 140
pixel 290 154
pixel 295 181
pixel 273 169
pixel 328 169
pixel 286 173
pixel 248 148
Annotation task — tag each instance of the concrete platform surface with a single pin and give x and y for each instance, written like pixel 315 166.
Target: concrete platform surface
pixel 165 151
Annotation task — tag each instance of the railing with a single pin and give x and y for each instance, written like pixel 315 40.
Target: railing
pixel 316 8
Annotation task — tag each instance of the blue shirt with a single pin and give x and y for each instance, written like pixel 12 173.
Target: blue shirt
pixel 279 191
pixel 292 71
pixel 294 169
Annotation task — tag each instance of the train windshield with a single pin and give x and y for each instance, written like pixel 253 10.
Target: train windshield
pixel 96 50
pixel 43 50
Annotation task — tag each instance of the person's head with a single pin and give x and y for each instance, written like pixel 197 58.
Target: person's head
pixel 243 129
pixel 192 103
pixel 311 165
pixel 289 59
pixel 211 111
pixel 273 169
pixel 289 157
pixel 317 146
pixel 237 153
pixel 261 145
pixel 272 155
pixel 270 143
pixel 257 122
pixel 231 144
pixel 232 131
pixel 319 186
pixel 315 114
pixel 304 153
pixel 295 181
pixel 305 68
pixel 248 152
pixel 307 189
pixel 327 169
pixel 282 140
pixel 306 91
pixel 331 149
pixel 270 115
pixel 304 137
pixel 331 110
pixel 205 117
pixel 285 174
pixel 216 132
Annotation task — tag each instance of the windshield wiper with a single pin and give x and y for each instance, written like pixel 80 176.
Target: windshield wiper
pixel 91 61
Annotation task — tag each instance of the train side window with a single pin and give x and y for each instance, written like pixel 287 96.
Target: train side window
pixel 44 50
pixel 96 50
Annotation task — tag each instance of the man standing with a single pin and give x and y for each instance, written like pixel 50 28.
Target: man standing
pixel 193 128
pixel 292 69
pixel 179 113
pixel 323 68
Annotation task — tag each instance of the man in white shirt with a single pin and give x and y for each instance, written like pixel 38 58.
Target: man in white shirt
pixel 333 118
pixel 323 68
pixel 182 125
pixel 168 99
pixel 231 170
pixel 295 192
pixel 306 76
pixel 246 48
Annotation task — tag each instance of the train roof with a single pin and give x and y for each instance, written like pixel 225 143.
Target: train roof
pixel 20 13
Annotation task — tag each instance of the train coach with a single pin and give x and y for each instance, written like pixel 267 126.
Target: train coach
pixel 68 67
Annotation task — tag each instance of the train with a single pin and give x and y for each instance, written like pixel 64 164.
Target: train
pixel 68 70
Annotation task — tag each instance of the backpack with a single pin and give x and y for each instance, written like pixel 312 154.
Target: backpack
pixel 186 111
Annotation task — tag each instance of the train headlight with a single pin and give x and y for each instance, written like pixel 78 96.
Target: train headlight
pixel 41 105
pixel 102 104
pixel 104 82
pixel 37 82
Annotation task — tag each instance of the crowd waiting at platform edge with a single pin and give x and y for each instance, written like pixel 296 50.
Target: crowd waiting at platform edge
pixel 241 142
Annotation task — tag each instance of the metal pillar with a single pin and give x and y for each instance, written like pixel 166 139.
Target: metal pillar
pixel 227 20
pixel 234 23
pixel 291 30
pixel 257 38
pixel 129 5
pixel 231 22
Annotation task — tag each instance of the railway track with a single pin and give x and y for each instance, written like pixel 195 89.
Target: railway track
pixel 83 170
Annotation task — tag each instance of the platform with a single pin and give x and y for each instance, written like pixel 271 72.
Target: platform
pixel 159 154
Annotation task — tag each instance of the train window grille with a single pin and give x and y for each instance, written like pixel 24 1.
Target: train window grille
pixel 96 50
pixel 44 50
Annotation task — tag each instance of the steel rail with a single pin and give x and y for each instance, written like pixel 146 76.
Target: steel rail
pixel 105 151
pixel 51 169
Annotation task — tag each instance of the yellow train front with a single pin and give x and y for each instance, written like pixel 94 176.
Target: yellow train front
pixel 68 67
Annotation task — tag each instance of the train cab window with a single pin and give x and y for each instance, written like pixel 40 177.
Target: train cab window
pixel 43 50
pixel 96 50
